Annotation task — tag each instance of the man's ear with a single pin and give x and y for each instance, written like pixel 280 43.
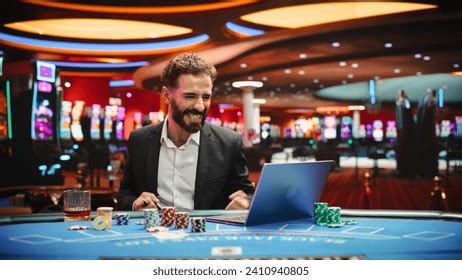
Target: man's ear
pixel 165 94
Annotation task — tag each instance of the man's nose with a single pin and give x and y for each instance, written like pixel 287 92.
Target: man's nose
pixel 199 105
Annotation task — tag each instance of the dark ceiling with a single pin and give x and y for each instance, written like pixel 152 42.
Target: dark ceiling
pixel 297 66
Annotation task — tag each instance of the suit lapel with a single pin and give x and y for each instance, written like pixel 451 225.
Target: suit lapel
pixel 203 164
pixel 152 158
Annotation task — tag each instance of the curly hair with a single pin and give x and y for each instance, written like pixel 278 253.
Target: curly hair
pixel 186 63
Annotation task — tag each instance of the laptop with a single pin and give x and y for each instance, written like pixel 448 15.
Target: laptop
pixel 285 192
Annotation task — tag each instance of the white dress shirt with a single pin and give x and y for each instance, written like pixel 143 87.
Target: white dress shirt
pixel 176 177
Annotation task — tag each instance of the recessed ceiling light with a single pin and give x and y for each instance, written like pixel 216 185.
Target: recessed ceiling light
pixel 302 55
pixel 344 82
pixel 292 85
pixel 350 76
pixel 250 78
pixel 418 55
pixel 129 95
pixel 301 72
pixel 397 70
pixel 67 84
pixel 335 44
pixel 243 65
pixel 316 81
pixel 287 71
pixel 342 63
pixel 388 45
pixel 418 73
pixel 427 58
pixel 355 65
pixel 456 65
pixel 264 78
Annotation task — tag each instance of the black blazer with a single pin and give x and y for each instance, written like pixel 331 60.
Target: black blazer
pixel 221 167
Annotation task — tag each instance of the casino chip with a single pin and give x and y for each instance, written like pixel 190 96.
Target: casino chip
pixel 197 225
pixel 122 219
pixel 101 223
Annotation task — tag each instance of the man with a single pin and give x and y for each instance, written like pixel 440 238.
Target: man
pixel 185 162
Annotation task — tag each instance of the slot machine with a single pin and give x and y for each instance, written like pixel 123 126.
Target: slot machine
pixel 345 128
pixel 76 126
pixel 95 122
pixel 36 117
pixel 330 128
pixel 391 131
pixel 445 128
pixel 377 132
pixel 65 122
pixel 458 126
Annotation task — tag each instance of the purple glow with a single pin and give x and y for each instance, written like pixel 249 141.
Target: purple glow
pixel 44 87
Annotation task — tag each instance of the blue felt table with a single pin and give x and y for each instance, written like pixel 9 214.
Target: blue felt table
pixel 371 238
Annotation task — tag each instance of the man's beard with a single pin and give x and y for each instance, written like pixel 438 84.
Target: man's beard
pixel 178 117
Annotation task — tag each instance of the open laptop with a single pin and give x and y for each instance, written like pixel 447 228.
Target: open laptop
pixel 285 192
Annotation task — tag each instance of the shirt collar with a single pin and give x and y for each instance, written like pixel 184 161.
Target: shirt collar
pixel 192 137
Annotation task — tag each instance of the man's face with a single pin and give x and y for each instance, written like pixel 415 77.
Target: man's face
pixel 190 101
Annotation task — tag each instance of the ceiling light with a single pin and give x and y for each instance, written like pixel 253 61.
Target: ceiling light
pixel 418 55
pixel 388 45
pixel 240 84
pixel 67 84
pixel 99 29
pixel 316 81
pixel 129 95
pixel 287 71
pixel 250 78
pixel 456 65
pixel 302 72
pixel 342 63
pixel 264 78
pixel 302 55
pixel 426 58
pixel 354 65
pixel 350 76
pixel 335 44
pixel 397 70
pixel 304 15
pixel 243 65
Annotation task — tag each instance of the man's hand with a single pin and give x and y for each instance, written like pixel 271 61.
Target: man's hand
pixel 145 200
pixel 239 200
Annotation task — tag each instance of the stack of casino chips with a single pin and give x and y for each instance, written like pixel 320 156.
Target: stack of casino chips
pixel 197 224
pixel 151 218
pixel 122 219
pixel 103 219
pixel 329 216
pixel 181 220
pixel 168 216
pixel 320 210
